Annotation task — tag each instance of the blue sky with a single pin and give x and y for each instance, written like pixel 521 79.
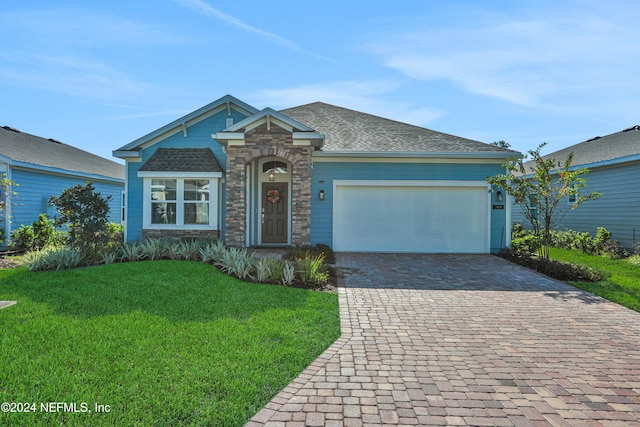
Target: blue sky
pixel 99 74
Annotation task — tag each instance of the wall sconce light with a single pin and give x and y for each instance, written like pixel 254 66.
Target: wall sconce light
pixel 272 176
pixel 321 195
pixel 499 196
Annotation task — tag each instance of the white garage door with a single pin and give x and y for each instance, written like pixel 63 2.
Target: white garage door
pixel 420 216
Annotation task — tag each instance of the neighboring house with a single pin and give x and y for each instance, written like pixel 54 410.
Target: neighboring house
pixel 614 164
pixel 45 167
pixel 313 174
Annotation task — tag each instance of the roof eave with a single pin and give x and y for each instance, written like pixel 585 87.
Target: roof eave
pixel 176 125
pixel 126 154
pixel 268 112
pixel 418 154
pixel 610 162
pixel 67 172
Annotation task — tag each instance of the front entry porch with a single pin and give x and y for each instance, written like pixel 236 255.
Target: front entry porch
pixel 268 186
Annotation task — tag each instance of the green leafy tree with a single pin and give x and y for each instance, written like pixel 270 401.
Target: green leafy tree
pixel 539 190
pixel 84 211
pixel 501 144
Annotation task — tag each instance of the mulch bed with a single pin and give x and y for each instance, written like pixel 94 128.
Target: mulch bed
pixel 7 263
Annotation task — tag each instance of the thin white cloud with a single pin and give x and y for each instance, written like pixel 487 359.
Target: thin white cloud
pixel 528 61
pixel 69 27
pixel 204 8
pixel 70 75
pixel 68 51
pixel 365 96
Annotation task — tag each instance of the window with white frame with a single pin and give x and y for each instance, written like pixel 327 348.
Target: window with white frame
pixel 180 202
pixel 196 201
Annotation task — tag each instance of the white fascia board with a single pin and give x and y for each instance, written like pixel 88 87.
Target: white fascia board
pixel 315 139
pixel 417 154
pixel 409 183
pixel 202 113
pixel 6 159
pixel 229 137
pixel 123 154
pixel 272 114
pixel 611 162
pixel 160 174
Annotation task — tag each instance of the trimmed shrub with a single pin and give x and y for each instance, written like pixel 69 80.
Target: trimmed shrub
pixel 555 269
pixel 23 237
pixel 52 258
pixel 309 269
pixel 38 235
pixel 601 244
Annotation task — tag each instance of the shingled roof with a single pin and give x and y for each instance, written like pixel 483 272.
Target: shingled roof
pixel 353 131
pixel 24 149
pixel 182 160
pixel 602 148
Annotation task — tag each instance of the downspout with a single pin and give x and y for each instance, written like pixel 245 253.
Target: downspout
pixel 8 204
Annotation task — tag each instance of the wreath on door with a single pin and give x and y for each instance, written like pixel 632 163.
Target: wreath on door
pixel 273 195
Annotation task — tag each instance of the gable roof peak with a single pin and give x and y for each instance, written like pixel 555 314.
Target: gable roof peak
pixel 177 124
pixel 268 112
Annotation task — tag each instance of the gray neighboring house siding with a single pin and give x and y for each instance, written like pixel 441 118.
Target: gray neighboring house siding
pixel 614 164
pixel 45 167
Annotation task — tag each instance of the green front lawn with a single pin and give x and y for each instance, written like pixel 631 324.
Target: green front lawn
pixel 159 342
pixel 622 283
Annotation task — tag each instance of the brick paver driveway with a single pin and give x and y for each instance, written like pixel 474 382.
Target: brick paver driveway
pixel 466 340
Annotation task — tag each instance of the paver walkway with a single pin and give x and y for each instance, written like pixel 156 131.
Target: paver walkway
pixel 466 340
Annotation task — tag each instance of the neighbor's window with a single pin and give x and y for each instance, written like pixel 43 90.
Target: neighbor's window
pixel 573 196
pixel 163 201
pixel 196 201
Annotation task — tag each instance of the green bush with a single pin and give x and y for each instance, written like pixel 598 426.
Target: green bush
pixel 601 244
pixel 54 258
pixel 84 211
pixel 557 270
pixel 23 237
pixel 309 269
pixel 132 251
pixel 38 235
pixel 634 259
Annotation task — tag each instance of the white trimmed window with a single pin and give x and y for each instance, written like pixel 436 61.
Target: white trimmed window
pixel 180 202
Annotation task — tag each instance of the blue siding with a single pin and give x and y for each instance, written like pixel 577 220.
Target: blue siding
pixel 133 219
pixel 198 136
pixel 324 173
pixel 35 188
pixel 617 210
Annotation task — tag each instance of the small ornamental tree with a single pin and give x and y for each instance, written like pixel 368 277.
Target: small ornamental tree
pixel 84 211
pixel 538 191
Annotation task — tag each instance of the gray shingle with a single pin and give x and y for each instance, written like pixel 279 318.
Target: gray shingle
pixel 26 148
pixel 609 147
pixel 182 160
pixel 348 130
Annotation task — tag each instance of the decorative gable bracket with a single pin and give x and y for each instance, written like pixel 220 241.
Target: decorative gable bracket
pixel 301 134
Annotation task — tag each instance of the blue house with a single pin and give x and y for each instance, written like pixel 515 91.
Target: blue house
pixel 614 170
pixel 313 174
pixel 45 167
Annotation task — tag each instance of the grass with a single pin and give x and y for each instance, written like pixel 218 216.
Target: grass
pixel 160 342
pixel 622 283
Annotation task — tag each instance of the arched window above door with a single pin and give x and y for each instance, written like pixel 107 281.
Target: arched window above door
pixel 274 166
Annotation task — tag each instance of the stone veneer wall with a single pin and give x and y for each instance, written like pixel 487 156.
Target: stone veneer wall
pixel 260 142
pixel 180 234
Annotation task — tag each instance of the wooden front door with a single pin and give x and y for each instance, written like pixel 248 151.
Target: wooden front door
pixel 275 212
